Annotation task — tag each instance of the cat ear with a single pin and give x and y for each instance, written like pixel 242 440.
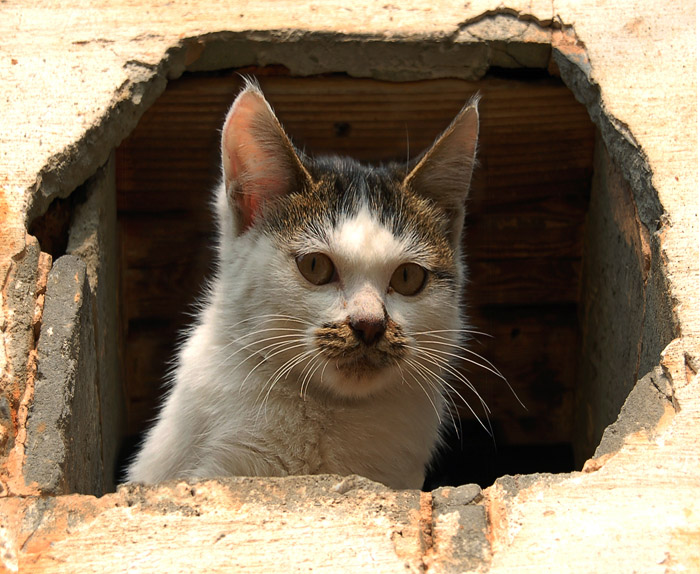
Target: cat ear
pixel 443 172
pixel 259 161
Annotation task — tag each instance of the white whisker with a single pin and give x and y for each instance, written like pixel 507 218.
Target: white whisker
pixel 277 375
pixel 441 383
pixel 267 357
pixel 422 388
pixel 442 363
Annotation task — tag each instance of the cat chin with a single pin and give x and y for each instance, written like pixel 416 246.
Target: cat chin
pixel 357 380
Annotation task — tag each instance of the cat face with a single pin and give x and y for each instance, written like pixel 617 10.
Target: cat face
pixel 359 266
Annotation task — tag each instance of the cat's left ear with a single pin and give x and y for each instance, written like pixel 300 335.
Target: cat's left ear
pixel 259 161
pixel 443 173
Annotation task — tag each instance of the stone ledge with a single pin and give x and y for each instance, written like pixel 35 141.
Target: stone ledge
pixel 321 523
pixel 63 446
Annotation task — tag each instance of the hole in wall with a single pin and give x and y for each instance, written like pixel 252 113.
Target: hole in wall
pixel 52 228
pixel 555 272
pixel 523 239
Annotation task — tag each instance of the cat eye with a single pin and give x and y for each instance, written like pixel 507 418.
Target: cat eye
pixel 408 279
pixel 316 268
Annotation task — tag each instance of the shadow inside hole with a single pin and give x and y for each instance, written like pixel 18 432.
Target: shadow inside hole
pixel 474 456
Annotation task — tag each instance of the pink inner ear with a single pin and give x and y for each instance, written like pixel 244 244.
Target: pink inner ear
pixel 254 155
pixel 236 132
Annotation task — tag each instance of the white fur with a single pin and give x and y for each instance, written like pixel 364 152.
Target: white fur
pixel 224 416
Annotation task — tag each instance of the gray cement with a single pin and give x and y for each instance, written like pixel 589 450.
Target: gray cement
pixel 459 530
pixel 20 294
pixel 623 331
pixel 646 404
pixel 62 451
pixel 93 238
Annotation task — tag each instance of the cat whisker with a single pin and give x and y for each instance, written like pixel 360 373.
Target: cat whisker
pixel 286 368
pixel 448 341
pixel 324 369
pixel 252 344
pixel 267 357
pixel 438 383
pixel 261 351
pixel 490 366
pixel 279 373
pixel 421 387
pixel 256 341
pixel 491 369
pixel 310 369
pixel 437 332
pixel 443 364
pixel 269 317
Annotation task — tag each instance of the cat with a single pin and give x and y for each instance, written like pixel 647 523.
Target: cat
pixel 327 337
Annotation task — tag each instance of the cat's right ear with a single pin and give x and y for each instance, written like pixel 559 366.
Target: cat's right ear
pixel 443 173
pixel 259 162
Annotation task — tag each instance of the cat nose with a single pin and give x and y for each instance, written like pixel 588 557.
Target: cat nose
pixel 368 330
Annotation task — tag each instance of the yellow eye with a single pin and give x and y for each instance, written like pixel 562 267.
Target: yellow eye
pixel 316 268
pixel 408 279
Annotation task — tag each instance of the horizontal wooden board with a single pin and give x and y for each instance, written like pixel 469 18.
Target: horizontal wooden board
pixel 523 282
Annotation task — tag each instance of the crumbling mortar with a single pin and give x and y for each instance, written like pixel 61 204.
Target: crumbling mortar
pixel 22 409
pixel 503 11
pixel 624 150
pixel 70 168
pixel 669 394
pixel 426 529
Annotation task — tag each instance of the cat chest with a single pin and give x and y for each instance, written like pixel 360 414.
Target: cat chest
pixel 356 440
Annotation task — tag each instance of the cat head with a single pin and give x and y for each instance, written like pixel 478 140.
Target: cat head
pixel 343 269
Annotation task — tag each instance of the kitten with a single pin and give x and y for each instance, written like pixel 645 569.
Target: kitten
pixel 325 341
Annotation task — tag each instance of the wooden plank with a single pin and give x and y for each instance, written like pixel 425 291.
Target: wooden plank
pixel 523 281
pixel 164 239
pixel 539 229
pixel 178 139
pixel 150 347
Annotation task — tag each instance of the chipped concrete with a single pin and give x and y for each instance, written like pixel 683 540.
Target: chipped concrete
pixel 238 524
pixel 76 80
pixel 649 402
pixel 93 238
pixel 63 446
pixel 459 531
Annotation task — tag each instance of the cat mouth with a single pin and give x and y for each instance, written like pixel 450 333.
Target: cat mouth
pixel 362 366
pixel 353 357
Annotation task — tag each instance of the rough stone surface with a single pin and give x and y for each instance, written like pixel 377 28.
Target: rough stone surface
pixel 618 343
pixel 62 450
pixel 320 524
pixel 459 531
pixel 19 295
pixel 93 238
pixel 76 79
pixel 649 402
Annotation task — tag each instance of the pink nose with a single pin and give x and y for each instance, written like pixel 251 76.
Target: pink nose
pixel 368 330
